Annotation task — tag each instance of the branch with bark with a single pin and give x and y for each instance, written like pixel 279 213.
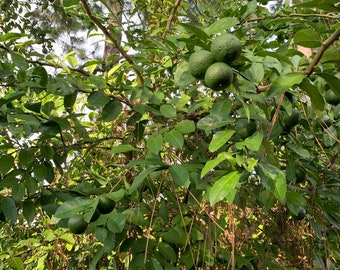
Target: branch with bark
pixel 111 38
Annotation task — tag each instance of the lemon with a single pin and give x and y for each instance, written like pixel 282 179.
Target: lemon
pixel 218 76
pixel 226 48
pixel 199 62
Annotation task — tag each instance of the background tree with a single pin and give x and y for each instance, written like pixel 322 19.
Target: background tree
pixel 129 162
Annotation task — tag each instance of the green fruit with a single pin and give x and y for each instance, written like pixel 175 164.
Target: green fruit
pixel 332 98
pixel 105 205
pixel 199 62
pixel 218 76
pixel 95 216
pixel 226 48
pixel 245 128
pixel 293 119
pixel 77 224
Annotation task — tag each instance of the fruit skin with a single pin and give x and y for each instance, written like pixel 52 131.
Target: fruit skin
pixel 245 128
pixel 331 98
pixel 218 76
pixel 77 224
pixel 226 48
pixel 105 205
pixel 199 62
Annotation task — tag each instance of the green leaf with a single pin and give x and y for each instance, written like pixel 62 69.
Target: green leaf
pixel 70 3
pixel 273 179
pixel 19 60
pixel 198 32
pixel 74 206
pixel 304 153
pixel 284 82
pixel 29 211
pixel 16 263
pixel 317 100
pixel 11 36
pixel 211 164
pixel 307 38
pixel 185 126
pixel 183 76
pixel 122 148
pixel 252 143
pixel 219 139
pixel 6 163
pixel 26 156
pixel 295 201
pixel 221 25
pixel 116 222
pixel 98 81
pixel 332 81
pixel 111 110
pixel 167 251
pixel 225 188
pixel 40 171
pixel 180 175
pixel 331 55
pixel 175 235
pixel 140 178
pixel 154 143
pixel 97 99
pixel 211 122
pixel 168 111
pixel 174 138
pixel 9 209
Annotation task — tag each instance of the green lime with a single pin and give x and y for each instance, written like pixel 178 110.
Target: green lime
pixel 199 62
pixel 77 224
pixel 218 76
pixel 226 48
pixel 300 174
pixel 105 205
pixel 332 98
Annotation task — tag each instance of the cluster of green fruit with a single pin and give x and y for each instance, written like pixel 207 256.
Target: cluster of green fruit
pixel 212 67
pixel 78 225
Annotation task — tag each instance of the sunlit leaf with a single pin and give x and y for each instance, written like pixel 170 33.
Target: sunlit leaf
pixel 185 126
pixel 180 175
pixel 284 82
pixel 225 188
pixel 211 122
pixel 73 207
pixel 307 38
pixel 221 25
pixel 174 138
pixel 219 139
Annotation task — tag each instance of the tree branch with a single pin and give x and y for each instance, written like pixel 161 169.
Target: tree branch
pixel 323 47
pixel 171 17
pixel 111 38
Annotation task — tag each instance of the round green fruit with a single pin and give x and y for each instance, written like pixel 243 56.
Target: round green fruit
pixel 218 76
pixel 332 98
pixel 245 128
pixel 95 216
pixel 226 48
pixel 77 224
pixel 199 62
pixel 105 205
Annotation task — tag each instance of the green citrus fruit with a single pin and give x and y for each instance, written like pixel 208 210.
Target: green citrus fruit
pixel 245 128
pixel 77 224
pixel 226 48
pixel 95 216
pixel 218 76
pixel 332 98
pixel 199 62
pixel 105 205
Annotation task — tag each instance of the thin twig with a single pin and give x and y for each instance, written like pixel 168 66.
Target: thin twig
pixel 171 17
pixel 323 47
pixel 112 39
pixel 275 115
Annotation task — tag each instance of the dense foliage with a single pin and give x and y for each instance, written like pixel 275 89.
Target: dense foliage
pixel 164 172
